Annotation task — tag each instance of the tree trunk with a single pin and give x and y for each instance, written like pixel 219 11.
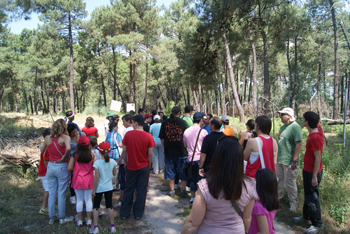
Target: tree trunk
pixel 71 68
pixel 222 95
pixel 114 77
pixel 255 85
pixel 42 95
pixel 342 94
pixel 289 67
pixel 234 89
pixel 1 95
pixel 25 98
pixel 104 91
pixel 319 91
pixel 239 81
pixel 31 104
pixel 188 95
pixel 195 98
pixel 36 102
pixel 46 87
pixel 145 97
pixel 200 97
pixel 336 63
pixel 295 81
pixel 266 75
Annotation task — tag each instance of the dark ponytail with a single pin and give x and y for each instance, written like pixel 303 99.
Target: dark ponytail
pixel 112 125
pixel 105 156
pixel 175 111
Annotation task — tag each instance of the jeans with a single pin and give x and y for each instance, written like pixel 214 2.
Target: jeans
pixel 173 166
pixel 57 178
pixel 312 205
pixel 196 176
pixel 158 157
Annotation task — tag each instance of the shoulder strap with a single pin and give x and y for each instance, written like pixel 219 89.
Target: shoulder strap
pixel 260 153
pixel 57 148
pixel 235 206
pixel 195 146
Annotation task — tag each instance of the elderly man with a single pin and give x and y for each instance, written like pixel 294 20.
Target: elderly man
pixel 289 145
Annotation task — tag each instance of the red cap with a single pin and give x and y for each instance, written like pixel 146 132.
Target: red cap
pixel 147 116
pixel 104 147
pixel 84 140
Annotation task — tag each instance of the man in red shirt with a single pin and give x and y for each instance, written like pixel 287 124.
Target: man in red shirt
pixel 139 146
pixel 312 172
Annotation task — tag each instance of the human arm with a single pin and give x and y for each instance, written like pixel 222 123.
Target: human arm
pixel 150 156
pixel 93 158
pixel 263 225
pixel 68 148
pixel 247 215
pixel 197 214
pixel 248 148
pixel 185 144
pixel 162 140
pixel 96 178
pixel 43 147
pixel 275 151
pixel 97 135
pixel 71 163
pixel 114 171
pixel 296 154
pixel 201 164
pixel 317 164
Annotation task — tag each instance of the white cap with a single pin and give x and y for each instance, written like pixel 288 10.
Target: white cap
pixel 156 117
pixel 289 111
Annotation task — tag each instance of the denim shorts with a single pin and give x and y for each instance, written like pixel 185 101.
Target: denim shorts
pixel 196 177
pixel 170 169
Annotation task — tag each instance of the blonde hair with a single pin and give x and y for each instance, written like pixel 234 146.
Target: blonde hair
pixel 59 127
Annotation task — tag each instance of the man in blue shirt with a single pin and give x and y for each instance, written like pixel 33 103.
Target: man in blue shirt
pixel 206 120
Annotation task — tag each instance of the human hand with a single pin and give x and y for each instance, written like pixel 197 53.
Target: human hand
pixel 201 172
pixel 119 162
pixel 294 166
pixel 314 181
pixel 93 193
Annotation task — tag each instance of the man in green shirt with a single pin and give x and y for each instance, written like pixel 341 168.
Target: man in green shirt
pixel 289 145
pixel 187 116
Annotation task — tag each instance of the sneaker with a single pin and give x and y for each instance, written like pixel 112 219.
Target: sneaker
pixel 44 212
pixel 66 220
pixel 94 230
pixel 53 220
pixel 175 186
pixel 112 228
pixel 184 193
pixel 191 203
pixel 88 222
pixel 72 200
pixel 80 223
pixel 293 208
pixel 171 193
pixel 312 230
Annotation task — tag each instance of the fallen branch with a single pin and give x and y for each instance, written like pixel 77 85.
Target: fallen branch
pixel 5 159
pixel 334 122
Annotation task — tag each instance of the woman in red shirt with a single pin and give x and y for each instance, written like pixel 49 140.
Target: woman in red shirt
pixel 90 129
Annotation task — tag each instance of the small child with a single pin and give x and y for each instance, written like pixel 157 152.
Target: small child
pixel 264 210
pixel 42 174
pixel 83 178
pixel 94 145
pixel 104 170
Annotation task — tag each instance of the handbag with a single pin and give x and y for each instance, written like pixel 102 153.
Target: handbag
pixel 188 171
pixel 260 153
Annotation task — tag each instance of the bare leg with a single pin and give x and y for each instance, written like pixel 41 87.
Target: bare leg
pixel 80 215
pixel 95 217
pixel 121 195
pixel 183 185
pixel 45 200
pixel 171 184
pixel 111 215
pixel 88 214
pixel 193 194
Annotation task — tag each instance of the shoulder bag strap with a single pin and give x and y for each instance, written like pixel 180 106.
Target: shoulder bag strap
pixel 260 153
pixel 57 149
pixel 195 146
pixel 235 206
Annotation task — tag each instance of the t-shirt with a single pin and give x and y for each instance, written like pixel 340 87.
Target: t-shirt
pixel 106 125
pixel 228 131
pixel 206 128
pixel 289 134
pixel 137 144
pixel 96 153
pixel 172 133
pixel 190 137
pixel 155 128
pixel 259 209
pixel 146 127
pixel 90 131
pixel 209 147
pixel 314 142
pixel 105 172
pixel 188 120
pixel 120 148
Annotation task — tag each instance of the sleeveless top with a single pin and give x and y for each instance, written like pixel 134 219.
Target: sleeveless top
pixel 54 154
pixel 267 150
pixel 220 216
pixel 83 175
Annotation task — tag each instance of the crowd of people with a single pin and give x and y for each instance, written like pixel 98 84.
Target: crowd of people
pixel 235 183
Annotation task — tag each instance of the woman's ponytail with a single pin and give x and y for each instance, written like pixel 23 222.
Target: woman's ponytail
pixel 174 112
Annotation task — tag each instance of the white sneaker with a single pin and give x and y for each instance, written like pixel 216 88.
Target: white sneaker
pixel 293 208
pixel 113 229
pixel 72 200
pixel 312 230
pixel 94 230
pixel 88 222
pixel 175 186
pixel 80 223
pixel 66 220
pixel 53 220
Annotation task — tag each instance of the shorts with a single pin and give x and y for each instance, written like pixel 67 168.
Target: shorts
pixel 196 177
pixel 170 168
pixel 45 183
pixel 121 177
pixel 108 200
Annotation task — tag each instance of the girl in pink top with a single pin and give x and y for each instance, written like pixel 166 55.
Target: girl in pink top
pixel 265 208
pixel 212 210
pixel 83 178
pixel 268 145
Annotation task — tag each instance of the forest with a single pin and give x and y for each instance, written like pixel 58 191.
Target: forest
pixel 218 55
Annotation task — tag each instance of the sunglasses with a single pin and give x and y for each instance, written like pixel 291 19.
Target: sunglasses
pixel 283 114
pixel 230 137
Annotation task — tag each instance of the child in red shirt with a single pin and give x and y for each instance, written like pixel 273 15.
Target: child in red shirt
pixel 90 129
pixel 42 174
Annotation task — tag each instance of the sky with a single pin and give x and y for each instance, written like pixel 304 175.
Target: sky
pixel 18 26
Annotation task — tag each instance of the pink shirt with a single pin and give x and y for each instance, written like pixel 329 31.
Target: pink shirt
pixel 259 209
pixel 83 175
pixel 190 137
pixel 220 216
